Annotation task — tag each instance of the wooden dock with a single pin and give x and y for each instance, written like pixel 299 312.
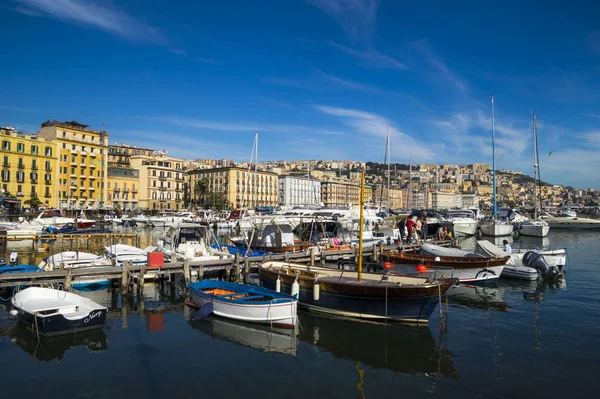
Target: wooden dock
pixel 240 266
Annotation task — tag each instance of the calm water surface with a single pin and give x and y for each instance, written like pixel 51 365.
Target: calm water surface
pixel 518 339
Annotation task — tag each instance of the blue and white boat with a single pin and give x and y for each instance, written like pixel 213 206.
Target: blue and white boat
pixel 79 260
pixel 245 303
pixel 16 267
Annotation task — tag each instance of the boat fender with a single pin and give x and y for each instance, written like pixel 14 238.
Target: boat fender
pixel 421 268
pixel 316 290
pixel 278 284
pixel 14 312
pixel 437 259
pixel 295 288
pixel 387 265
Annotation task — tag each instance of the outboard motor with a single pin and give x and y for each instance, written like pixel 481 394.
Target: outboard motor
pixel 14 258
pixel 538 262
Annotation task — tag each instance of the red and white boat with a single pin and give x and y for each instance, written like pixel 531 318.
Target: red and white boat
pixel 55 218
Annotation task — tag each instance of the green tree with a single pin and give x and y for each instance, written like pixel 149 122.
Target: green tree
pixel 33 202
pixel 200 190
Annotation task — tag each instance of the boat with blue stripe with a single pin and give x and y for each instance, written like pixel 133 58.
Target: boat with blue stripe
pixel 242 302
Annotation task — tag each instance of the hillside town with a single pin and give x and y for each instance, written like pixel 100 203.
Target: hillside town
pixel 68 165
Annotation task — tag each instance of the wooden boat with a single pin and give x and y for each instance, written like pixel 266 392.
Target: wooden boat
pixel 341 292
pixel 49 312
pixel 245 303
pixel 465 268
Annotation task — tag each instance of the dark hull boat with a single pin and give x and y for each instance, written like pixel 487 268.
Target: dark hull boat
pixel 373 296
pixel 49 312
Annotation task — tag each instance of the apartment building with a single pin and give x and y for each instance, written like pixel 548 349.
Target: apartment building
pixel 160 181
pixel 119 154
pixel 123 188
pixel 240 187
pixel 342 192
pixel 299 191
pixel 28 166
pixel 81 163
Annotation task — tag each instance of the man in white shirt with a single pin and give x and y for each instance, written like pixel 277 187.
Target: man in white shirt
pixel 507 247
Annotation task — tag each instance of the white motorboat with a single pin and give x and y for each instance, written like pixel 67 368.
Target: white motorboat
pixel 50 312
pixel 534 228
pixel 188 241
pixel 75 260
pixel 56 219
pixel 122 252
pixel 462 222
pixel 567 222
pixel 495 228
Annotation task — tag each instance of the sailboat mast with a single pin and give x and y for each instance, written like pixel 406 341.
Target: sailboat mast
pixel 538 178
pixel 388 168
pixel 409 183
pixel 360 222
pixel 493 159
pixel 256 168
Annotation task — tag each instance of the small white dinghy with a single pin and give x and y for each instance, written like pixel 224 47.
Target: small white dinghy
pixel 49 312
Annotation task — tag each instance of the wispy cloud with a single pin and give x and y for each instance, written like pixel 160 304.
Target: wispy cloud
pixel 438 63
pixel 19 109
pixel 100 15
pixel 321 81
pixel 370 57
pixel 357 17
pixel 375 125
pixel 178 51
pixel 592 115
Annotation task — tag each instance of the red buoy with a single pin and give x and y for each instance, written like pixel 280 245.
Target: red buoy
pixel 387 265
pixel 421 268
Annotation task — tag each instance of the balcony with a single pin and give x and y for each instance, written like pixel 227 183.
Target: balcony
pixel 82 188
pixel 33 194
pixel 34 167
pixel 34 181
pixel 162 200
pixel 73 175
pixel 134 190
pixel 84 165
pixel 162 188
pixel 73 163
pixel 162 177
pixel 116 189
pixel 48 169
pixel 21 166
pixel 74 152
pixel 47 195
pixel 126 190
pixel 92 166
pixel 84 153
pixel 92 177
pixel 47 181
pixel 82 176
pixel 6 165
pixel 92 189
pixel 93 154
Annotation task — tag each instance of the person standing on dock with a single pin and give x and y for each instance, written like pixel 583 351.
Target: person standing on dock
pixel 424 227
pixel 410 226
pixel 401 226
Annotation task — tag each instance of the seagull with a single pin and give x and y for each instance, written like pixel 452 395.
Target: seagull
pixel 550 153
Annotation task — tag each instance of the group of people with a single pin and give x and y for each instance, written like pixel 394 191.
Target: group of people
pixel 414 229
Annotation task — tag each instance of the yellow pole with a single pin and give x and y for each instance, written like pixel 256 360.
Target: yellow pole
pixel 360 223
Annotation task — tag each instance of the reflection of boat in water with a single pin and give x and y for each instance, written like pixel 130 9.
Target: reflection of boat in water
pixel 260 337
pixel 400 348
pixel 54 348
pixel 478 297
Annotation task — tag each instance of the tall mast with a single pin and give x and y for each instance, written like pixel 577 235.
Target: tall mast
pixel 493 158
pixel 256 168
pixel 388 167
pixel 536 165
pixel 409 183
pixel 360 223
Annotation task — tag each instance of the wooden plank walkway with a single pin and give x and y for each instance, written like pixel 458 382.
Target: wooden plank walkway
pixel 242 266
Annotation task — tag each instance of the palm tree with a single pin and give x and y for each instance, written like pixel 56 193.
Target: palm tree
pixel 200 189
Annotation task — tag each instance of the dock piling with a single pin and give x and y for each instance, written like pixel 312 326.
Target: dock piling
pixel 141 274
pixel 124 277
pixel 186 272
pixel 246 270
pixel 312 256
pixel 236 270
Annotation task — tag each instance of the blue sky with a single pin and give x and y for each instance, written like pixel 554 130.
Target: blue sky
pixel 320 79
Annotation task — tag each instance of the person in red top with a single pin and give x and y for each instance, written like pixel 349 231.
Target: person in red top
pixel 410 225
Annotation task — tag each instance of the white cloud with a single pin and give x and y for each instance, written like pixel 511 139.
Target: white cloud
pixel 100 15
pixel 436 62
pixel 357 17
pixel 375 125
pixel 370 57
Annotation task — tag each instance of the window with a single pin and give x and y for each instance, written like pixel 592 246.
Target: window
pixel 153 183
pixel 20 177
pixel 169 175
pixel 48 165
pixel 72 171
pixel 33 164
pixel 153 196
pixel 32 190
pixel 47 192
pixel 19 188
pixel 20 147
pixel 48 151
pixel 168 195
pixel 73 159
pixel 73 147
pixel 21 163
pixel 5 176
pixel 64 145
pixel 153 173
pixel 64 134
pixel 6 161
pixel 116 185
pixel 115 195
pixel 34 149
pixel 6 145
pixel 33 177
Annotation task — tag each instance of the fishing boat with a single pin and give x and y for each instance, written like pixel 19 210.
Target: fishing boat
pixel 495 227
pixel 354 293
pixel 244 303
pixel 50 312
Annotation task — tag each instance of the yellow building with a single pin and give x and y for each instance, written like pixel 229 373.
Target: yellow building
pixel 160 181
pixel 241 188
pixel 27 166
pixel 122 188
pixel 81 163
pixel 394 197
pixel 342 192
pixel 119 154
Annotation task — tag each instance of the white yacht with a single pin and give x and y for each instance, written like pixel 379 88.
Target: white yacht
pixel 463 222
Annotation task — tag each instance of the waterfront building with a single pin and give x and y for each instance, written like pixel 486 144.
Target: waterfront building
pixel 119 154
pixel 160 181
pixel 123 188
pixel 81 163
pixel 383 196
pixel 28 166
pixel 299 191
pixel 236 187
pixel 342 192
pixel 441 200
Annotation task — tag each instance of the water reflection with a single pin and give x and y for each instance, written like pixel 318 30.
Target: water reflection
pixel 255 336
pixel 400 348
pixel 54 348
pixel 478 297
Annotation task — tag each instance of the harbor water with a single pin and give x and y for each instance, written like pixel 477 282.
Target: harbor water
pixel 517 340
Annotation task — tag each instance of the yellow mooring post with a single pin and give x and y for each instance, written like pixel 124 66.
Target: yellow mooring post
pixel 361 221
